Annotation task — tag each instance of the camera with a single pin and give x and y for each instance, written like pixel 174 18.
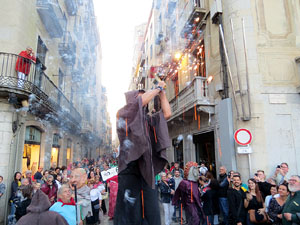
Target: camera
pixel 278 166
pixel 256 174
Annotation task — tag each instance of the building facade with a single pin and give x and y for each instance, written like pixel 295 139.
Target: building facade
pixel 57 115
pixel 228 65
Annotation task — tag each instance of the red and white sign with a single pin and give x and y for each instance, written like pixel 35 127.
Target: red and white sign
pixel 243 137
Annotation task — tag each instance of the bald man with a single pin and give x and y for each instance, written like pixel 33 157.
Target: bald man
pixel 78 178
pixel 223 202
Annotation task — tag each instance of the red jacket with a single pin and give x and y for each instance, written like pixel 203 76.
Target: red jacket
pixel 49 191
pixel 23 63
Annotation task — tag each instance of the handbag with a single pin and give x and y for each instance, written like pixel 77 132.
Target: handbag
pixel 257 218
pixel 105 195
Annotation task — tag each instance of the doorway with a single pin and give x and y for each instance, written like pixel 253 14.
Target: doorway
pixel 31 152
pixel 205 150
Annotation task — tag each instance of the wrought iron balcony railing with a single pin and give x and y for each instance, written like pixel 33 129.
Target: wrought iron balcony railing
pixel 50 98
pixel 194 94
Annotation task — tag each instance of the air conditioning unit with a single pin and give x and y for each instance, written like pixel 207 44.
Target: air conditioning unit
pixel 215 10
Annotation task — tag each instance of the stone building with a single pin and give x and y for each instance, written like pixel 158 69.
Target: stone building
pixel 228 65
pixel 58 114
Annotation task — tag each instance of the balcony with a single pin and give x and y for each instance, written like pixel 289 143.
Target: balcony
pixel 71 6
pixel 49 102
pixel 67 50
pixel 194 94
pixel 52 17
pixel 86 127
pixel 192 17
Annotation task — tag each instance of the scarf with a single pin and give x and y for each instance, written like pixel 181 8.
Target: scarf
pixel 72 202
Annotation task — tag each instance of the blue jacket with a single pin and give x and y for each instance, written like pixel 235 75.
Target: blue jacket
pixel 67 211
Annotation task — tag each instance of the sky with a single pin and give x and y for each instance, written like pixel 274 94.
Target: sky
pixel 116 21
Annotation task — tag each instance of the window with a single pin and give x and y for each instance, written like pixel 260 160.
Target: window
pixel 41 51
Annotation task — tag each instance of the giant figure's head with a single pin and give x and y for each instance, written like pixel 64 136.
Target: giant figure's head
pixel 78 177
pixel 191 171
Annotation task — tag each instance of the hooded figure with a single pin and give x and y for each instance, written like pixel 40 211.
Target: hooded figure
pixel 143 142
pixel 189 194
pixel 38 214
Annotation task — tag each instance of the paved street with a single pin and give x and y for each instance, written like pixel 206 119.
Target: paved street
pixel 110 222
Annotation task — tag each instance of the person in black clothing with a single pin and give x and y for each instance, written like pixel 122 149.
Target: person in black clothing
pixel 236 197
pixel 14 188
pixel 253 200
pixel 166 198
pixel 214 185
pixel 207 199
pixel 222 193
pixel 38 175
pixel 263 185
pixel 23 200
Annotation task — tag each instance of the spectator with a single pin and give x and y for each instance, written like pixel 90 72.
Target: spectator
pixel 45 175
pixel 58 180
pixel 207 198
pixel 203 169
pixel 37 212
pixel 38 175
pixel 235 196
pixel 36 186
pixel 24 200
pixel 23 65
pixel 65 205
pixel 91 175
pixel 172 166
pixel 50 189
pixel 254 201
pixel 281 173
pixel 96 199
pixel 291 209
pixel 177 179
pixel 2 187
pixel 214 185
pixel 166 197
pixel 14 189
pixel 176 166
pixel 28 175
pixel 273 191
pixel 263 185
pixel 276 205
pixel 222 193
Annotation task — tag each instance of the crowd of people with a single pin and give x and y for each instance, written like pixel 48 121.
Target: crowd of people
pixel 226 200
pixel 72 194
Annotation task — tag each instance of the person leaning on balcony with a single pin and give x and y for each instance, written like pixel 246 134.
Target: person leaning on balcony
pixel 23 64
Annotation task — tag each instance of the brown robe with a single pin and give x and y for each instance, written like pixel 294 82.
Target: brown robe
pixel 143 138
pixel 38 213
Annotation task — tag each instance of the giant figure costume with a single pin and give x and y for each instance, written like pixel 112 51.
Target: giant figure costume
pixel 143 142
pixel 189 194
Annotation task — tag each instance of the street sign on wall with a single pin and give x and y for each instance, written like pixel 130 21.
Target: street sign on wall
pixel 243 137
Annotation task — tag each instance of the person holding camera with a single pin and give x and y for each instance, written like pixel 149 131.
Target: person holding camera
pixel 263 185
pixel 281 173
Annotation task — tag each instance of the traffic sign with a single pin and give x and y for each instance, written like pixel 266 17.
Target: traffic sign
pixel 244 150
pixel 243 137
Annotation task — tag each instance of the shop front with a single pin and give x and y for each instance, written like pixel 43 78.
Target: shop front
pixel 55 151
pixel 32 148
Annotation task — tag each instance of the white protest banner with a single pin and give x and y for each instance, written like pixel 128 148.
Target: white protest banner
pixel 109 173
